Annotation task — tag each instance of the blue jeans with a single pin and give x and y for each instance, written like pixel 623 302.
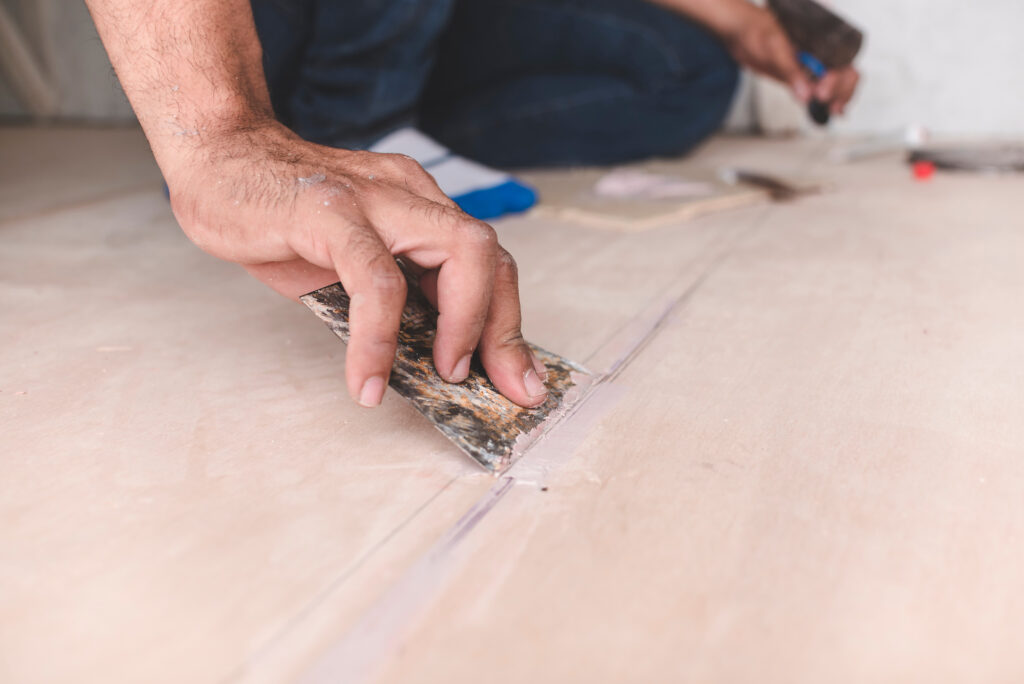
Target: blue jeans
pixel 506 82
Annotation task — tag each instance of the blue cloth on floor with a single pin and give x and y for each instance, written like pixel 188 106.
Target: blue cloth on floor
pixel 511 197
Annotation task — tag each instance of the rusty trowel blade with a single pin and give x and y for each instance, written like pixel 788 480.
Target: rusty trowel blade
pixel 492 430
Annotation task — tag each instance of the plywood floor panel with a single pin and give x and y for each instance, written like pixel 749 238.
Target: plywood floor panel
pixel 811 471
pixel 43 168
pixel 814 474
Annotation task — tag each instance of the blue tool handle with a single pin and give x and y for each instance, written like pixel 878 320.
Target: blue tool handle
pixel 818 110
pixel 812 64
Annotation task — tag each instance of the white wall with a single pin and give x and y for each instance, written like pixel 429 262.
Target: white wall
pixel 65 44
pixel 956 66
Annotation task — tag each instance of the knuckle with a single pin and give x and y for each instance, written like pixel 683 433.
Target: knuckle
pixel 436 213
pixel 510 336
pixel 506 260
pixel 385 277
pixel 440 198
pixel 426 186
pixel 507 265
pixel 360 160
pixel 374 269
pixel 476 234
pixel 403 164
pixel 362 246
pixel 333 194
pixel 381 343
pixel 371 192
pixel 318 241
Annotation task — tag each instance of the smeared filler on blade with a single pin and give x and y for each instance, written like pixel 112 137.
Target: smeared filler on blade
pixel 491 429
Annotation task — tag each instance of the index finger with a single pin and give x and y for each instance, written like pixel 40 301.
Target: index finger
pixel 376 289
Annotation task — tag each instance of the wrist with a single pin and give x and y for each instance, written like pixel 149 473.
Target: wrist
pixel 203 141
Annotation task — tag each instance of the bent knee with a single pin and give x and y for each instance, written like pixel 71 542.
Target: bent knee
pixel 692 112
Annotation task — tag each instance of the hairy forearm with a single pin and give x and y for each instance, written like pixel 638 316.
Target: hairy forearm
pixel 191 69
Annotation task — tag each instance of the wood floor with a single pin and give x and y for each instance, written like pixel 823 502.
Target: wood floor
pixel 809 468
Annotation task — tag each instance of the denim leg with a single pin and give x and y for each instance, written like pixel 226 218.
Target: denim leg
pixel 562 82
pixel 345 72
pixel 284 29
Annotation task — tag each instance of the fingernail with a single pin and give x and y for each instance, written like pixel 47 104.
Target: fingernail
pixel 539 366
pixel 461 370
pixel 372 392
pixel 533 384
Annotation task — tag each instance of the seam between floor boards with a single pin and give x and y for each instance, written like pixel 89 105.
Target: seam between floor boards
pixel 333 585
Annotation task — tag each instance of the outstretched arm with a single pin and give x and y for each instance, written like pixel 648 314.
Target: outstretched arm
pixel 299 216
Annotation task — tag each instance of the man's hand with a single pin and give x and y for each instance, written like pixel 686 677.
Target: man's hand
pixel 300 216
pixel 757 41
pixel 837 87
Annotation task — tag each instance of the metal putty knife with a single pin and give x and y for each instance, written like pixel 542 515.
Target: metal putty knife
pixel 492 430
